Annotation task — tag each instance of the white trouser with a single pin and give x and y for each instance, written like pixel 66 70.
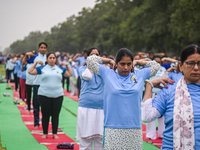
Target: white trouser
pixel 72 87
pixel 86 144
pixel 151 128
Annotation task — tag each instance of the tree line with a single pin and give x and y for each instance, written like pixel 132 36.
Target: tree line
pixel 139 25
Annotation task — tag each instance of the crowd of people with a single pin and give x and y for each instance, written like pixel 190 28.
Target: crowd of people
pixel 116 93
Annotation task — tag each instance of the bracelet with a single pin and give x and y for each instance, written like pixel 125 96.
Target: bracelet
pixel 148 81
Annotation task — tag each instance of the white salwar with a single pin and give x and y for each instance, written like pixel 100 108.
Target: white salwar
pixel 151 127
pixel 89 127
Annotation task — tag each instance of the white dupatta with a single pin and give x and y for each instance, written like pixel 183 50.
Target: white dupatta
pixel 183 118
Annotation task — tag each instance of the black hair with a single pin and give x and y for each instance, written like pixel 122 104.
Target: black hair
pixel 135 55
pixel 50 54
pixel 156 56
pixel 105 55
pixel 189 50
pixel 151 52
pixel 85 51
pixel 43 43
pixel 123 52
pixel 92 48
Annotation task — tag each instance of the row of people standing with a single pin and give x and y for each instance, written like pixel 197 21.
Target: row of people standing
pixel 47 87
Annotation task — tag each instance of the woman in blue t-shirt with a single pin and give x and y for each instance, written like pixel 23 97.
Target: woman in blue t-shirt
pixel 50 92
pixel 90 108
pixel 122 98
pixel 179 103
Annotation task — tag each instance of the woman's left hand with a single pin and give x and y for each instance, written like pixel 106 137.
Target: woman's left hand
pixel 63 63
pixel 156 82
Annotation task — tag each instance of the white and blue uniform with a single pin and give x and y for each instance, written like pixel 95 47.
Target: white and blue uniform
pixel 164 103
pixel 29 77
pixel 36 84
pixel 51 85
pixel 50 94
pixel 38 57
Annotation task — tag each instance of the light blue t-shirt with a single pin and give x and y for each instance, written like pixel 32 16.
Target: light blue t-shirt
pixel 23 73
pixel 39 57
pixel 17 66
pixel 51 85
pixel 29 77
pixel 122 97
pixel 9 65
pixel 91 95
pixel 164 102
pixel 81 60
pixel 175 76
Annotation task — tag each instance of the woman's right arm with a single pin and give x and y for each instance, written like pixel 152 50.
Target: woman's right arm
pixel 93 62
pixel 32 69
pixel 150 113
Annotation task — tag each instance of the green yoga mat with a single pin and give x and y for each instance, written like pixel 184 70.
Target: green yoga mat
pixel 14 134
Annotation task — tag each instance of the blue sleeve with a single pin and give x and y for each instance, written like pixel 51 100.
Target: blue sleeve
pixel 103 71
pixel 39 69
pixel 31 59
pixel 81 70
pixel 145 73
pixel 160 101
pixel 167 66
pixel 63 69
pixel 25 67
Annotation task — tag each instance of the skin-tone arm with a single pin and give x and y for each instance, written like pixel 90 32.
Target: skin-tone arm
pixel 170 69
pixel 155 82
pixel 32 69
pixel 108 61
pixel 140 62
pixel 160 54
pixel 26 57
pixel 68 72
pixel 142 54
pixel 24 60
pixel 168 59
pixel 77 55
pixel 57 61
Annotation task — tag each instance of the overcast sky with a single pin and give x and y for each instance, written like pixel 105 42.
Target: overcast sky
pixel 19 17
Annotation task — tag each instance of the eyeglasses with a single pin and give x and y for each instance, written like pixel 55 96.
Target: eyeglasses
pixel 191 64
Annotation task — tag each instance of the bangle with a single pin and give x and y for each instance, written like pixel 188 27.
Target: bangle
pixel 148 81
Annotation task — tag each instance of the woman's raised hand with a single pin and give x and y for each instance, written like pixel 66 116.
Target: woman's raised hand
pixel 156 82
pixel 40 62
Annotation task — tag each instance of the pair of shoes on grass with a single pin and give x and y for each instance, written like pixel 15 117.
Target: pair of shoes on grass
pixel 18 101
pixel 6 94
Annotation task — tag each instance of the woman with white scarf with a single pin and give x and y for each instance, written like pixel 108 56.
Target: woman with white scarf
pixel 179 104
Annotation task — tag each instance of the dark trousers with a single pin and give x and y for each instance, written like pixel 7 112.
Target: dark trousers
pixel 63 82
pixel 8 73
pixel 36 105
pixel 50 107
pixel 20 96
pixel 28 95
pixel 16 82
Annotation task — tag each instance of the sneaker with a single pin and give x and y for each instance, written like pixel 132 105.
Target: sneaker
pixel 18 101
pixel 6 94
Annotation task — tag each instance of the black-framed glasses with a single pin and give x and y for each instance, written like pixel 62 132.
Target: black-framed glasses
pixel 191 64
